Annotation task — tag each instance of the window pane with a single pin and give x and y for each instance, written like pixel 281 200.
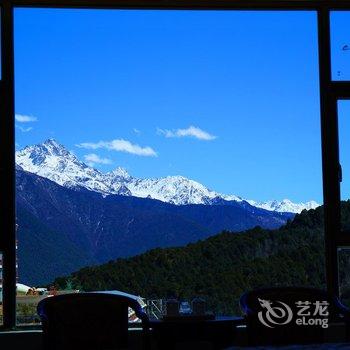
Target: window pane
pixel 146 140
pixel 344 153
pixel 340 45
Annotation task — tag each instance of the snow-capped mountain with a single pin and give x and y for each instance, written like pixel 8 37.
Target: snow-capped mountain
pixel 284 206
pixel 53 161
pixel 56 163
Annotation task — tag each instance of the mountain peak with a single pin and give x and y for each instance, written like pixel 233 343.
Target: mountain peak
pixel 52 141
pixel 55 147
pixel 39 152
pixel 52 160
pixel 37 155
pixel 121 172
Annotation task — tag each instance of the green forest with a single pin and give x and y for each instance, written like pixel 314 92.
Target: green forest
pixel 222 267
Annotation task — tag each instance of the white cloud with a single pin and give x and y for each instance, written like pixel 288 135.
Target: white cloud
pixel 24 129
pixel 137 131
pixel 191 131
pixel 21 118
pixel 120 145
pixel 93 159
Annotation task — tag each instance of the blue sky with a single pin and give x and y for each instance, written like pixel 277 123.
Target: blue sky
pixel 340 26
pixel 229 99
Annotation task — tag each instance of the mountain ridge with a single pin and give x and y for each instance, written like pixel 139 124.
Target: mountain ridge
pixel 52 160
pixel 85 228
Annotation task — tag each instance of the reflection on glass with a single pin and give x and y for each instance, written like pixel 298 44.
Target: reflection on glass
pixel 344 154
pixel 340 45
pixel 344 275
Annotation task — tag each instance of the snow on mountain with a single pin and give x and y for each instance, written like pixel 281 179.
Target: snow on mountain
pixel 176 190
pixel 284 206
pixel 53 161
pixel 56 163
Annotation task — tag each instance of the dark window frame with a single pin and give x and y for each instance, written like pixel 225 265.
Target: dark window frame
pixel 330 93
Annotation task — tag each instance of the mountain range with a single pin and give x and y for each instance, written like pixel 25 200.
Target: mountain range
pixel 53 161
pixel 71 215
pixel 62 229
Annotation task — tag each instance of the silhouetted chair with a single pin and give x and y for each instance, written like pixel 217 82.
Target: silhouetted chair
pixel 94 321
pixel 275 315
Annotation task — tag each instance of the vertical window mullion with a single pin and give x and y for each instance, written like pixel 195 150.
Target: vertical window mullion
pixel 7 166
pixel 330 153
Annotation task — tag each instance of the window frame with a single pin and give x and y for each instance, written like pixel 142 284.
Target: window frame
pixel 330 92
pixel 343 237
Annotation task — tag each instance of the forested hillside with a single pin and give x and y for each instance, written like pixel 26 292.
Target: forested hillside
pixel 222 267
pixel 61 229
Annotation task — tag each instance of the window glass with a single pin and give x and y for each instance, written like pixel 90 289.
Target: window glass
pixel 167 154
pixel 340 45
